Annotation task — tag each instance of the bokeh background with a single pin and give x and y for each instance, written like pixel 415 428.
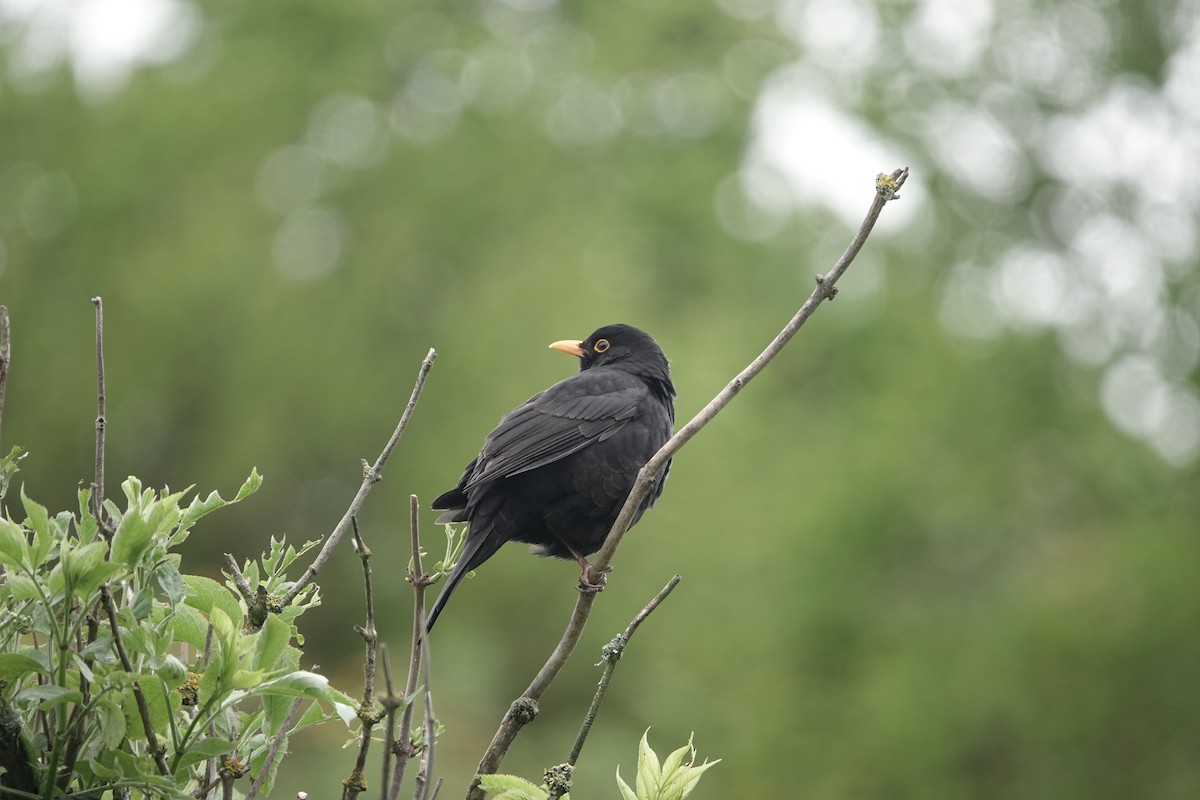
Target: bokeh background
pixel 947 546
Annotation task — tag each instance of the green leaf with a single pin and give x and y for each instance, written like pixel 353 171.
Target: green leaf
pixel 39 518
pixel 684 781
pixel 48 695
pixel 671 763
pixel 648 772
pixel 171 581
pixel 511 787
pixel 200 508
pixel 196 509
pixel 128 766
pixel 161 705
pixel 82 666
pixel 87 526
pixel 132 538
pixel 8 467
pixel 56 581
pixel 204 594
pixel 272 639
pixel 171 670
pixel 85 567
pixel 190 626
pixel 247 678
pixel 14 665
pixel 626 792
pixel 22 587
pixel 202 750
pixel 112 722
pixel 298 684
pixel 142 604
pixel 14 549
pixel 250 486
pixel 102 765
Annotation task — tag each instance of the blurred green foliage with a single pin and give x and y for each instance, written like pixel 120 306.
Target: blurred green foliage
pixel 946 547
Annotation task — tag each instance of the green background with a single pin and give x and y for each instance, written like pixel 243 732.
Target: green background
pixel 946 546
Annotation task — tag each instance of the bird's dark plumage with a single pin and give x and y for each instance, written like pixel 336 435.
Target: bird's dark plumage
pixel 557 469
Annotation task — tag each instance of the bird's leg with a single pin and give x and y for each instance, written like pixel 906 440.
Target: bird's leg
pixel 589 581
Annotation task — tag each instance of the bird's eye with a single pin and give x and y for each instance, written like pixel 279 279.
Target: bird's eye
pixel 600 346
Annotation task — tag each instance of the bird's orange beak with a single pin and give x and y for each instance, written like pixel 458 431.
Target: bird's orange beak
pixel 570 347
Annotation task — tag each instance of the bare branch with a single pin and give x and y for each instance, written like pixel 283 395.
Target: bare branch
pixel 390 703
pixel 156 750
pixel 610 654
pixel 239 580
pixel 371 475
pixel 525 708
pixel 276 743
pixel 101 424
pixel 420 580
pixel 357 783
pixel 5 355
pixel 430 723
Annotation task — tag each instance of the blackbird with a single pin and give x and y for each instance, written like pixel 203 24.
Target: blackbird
pixel 557 469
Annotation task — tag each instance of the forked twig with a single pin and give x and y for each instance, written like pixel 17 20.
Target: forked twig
pixel 610 654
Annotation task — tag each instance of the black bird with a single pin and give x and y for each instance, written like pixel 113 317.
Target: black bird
pixel 557 469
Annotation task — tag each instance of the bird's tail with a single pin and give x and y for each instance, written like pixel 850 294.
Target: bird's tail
pixel 474 553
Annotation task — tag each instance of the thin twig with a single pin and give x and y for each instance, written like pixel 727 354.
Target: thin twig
pixel 5 356
pixel 430 724
pixel 357 782
pixel 101 424
pixel 258 601
pixel 156 751
pixel 239 580
pixel 403 748
pixel 524 709
pixel 371 475
pixel 390 704
pixel 276 744
pixel 612 653
pixel 76 738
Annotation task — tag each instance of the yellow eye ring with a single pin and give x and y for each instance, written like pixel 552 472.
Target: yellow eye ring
pixel 600 346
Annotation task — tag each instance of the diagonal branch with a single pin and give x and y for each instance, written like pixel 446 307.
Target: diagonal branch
pixel 524 709
pixel 273 751
pixel 371 475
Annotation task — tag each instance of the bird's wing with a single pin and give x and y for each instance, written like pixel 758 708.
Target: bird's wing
pixel 560 421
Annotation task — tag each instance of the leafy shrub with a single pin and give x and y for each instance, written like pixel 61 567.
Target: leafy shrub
pixel 119 672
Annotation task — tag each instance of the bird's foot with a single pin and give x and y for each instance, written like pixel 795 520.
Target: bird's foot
pixel 592 580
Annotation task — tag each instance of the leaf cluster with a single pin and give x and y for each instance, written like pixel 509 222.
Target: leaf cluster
pixel 673 778
pixel 119 672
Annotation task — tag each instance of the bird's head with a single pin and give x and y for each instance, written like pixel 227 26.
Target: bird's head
pixel 624 347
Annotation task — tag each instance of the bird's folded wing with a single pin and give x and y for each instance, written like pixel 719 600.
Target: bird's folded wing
pixel 551 427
